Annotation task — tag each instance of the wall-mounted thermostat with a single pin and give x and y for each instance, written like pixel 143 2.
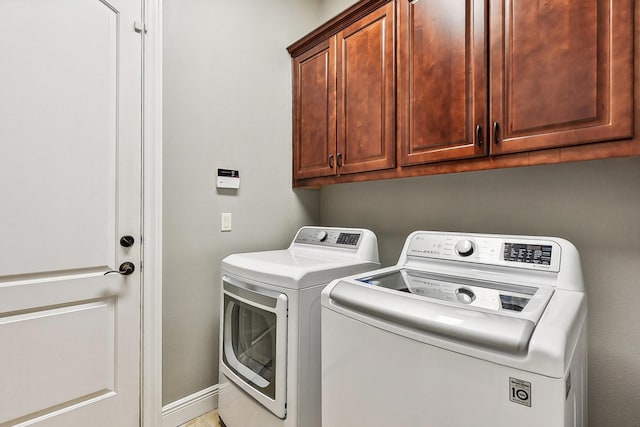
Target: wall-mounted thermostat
pixel 228 178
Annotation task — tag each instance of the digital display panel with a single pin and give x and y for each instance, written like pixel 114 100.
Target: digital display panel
pixel 530 254
pixel 348 239
pixel 510 302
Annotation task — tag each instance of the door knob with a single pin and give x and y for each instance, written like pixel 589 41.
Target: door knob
pixel 126 268
pixel 127 241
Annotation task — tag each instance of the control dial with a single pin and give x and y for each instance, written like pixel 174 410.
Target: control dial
pixel 465 247
pixel 322 236
pixel 465 296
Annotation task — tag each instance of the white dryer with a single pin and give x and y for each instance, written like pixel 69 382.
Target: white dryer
pixel 270 325
pixel 466 330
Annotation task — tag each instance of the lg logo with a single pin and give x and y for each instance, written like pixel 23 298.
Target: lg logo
pixel 520 391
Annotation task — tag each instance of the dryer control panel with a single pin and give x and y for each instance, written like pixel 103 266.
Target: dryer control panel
pixel 512 251
pixel 342 238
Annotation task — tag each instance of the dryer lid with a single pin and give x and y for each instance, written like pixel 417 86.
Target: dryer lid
pixel 295 269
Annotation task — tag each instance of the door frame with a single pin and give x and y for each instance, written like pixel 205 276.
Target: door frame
pixel 151 320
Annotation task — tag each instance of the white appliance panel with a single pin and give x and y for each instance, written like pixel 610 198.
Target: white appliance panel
pixel 380 379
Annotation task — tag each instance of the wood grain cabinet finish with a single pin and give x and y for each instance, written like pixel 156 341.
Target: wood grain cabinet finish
pixel 366 93
pixel 561 73
pixel 314 111
pixel 479 84
pixel 442 80
pixel 344 99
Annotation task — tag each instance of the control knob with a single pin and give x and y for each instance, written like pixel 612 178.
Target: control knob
pixel 465 296
pixel 465 247
pixel 322 236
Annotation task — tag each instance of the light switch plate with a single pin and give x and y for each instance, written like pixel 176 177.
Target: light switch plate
pixel 225 221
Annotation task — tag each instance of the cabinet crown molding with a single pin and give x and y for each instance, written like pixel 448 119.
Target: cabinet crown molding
pixel 334 25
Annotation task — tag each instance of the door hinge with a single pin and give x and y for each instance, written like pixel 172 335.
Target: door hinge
pixel 139 27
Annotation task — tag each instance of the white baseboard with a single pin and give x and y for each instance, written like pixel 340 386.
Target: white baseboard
pixel 189 407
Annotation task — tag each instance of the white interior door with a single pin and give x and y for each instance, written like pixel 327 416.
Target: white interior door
pixel 70 187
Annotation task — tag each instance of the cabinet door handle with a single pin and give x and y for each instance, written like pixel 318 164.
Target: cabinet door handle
pixel 339 159
pixel 331 161
pixel 479 135
pixel 496 140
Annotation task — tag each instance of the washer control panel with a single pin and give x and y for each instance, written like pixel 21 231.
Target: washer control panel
pixel 530 254
pixel 329 237
pixel 527 253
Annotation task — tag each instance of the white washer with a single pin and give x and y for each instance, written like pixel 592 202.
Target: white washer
pixel 270 325
pixel 466 330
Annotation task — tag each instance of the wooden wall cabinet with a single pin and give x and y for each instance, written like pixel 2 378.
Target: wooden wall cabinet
pixel 561 73
pixel 314 111
pixel 344 99
pixel 479 84
pixel 442 80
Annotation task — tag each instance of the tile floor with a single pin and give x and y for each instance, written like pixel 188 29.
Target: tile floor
pixel 210 419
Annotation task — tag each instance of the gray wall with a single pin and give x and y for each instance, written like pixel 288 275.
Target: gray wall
pixel 595 205
pixel 330 8
pixel 227 103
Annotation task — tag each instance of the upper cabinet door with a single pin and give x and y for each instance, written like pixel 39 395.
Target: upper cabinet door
pixel 366 93
pixel 442 80
pixel 561 73
pixel 314 111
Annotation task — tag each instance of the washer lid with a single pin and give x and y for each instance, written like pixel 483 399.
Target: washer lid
pixel 496 315
pixel 514 300
pixel 295 269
